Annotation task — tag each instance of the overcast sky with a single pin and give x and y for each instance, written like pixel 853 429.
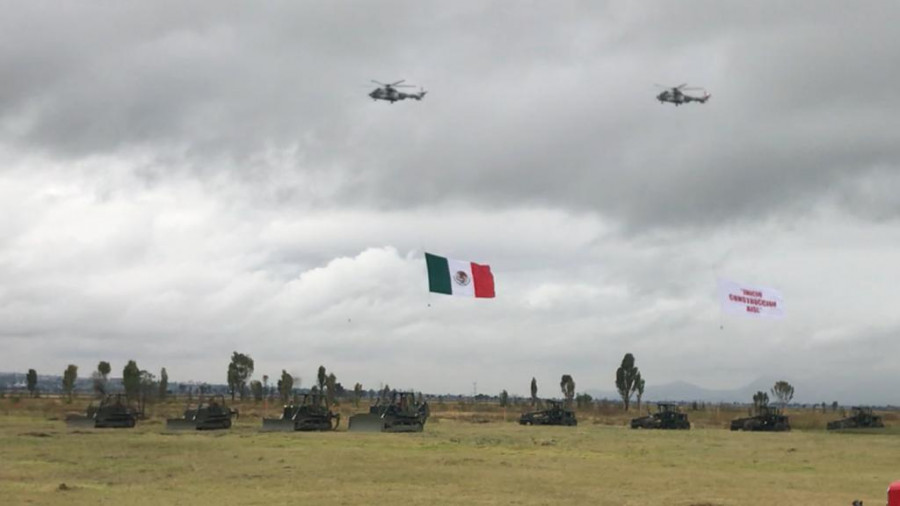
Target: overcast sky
pixel 179 180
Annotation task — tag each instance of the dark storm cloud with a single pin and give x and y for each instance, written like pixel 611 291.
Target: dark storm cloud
pixel 176 176
pixel 530 103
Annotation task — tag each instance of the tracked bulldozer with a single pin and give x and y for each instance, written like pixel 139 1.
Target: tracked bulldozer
pixel 767 419
pixel 862 418
pixel 113 412
pixel 308 413
pixel 555 414
pixel 667 416
pixel 209 415
pixel 398 413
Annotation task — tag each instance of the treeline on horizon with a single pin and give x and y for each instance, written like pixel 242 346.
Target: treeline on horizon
pixel 145 387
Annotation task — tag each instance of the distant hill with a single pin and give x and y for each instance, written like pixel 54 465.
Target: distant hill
pixel 806 392
pixel 684 391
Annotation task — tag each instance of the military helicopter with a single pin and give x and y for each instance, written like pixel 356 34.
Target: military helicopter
pixel 390 93
pixel 675 95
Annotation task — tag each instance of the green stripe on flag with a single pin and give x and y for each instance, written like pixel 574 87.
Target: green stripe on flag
pixel 438 274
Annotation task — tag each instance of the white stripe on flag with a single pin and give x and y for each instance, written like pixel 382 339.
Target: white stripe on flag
pixel 461 280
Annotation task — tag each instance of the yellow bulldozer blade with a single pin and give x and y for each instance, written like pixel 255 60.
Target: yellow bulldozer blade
pixel 366 423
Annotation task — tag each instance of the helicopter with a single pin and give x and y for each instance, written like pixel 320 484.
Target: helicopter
pixel 390 93
pixel 674 94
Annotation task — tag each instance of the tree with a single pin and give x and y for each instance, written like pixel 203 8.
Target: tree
pixel 627 378
pixel 163 384
pixel 285 386
pixel 834 406
pixel 31 380
pixel 639 388
pixel 101 377
pixel 148 388
pixel 131 380
pixel 784 392
pixel 760 400
pixel 567 386
pixel 583 400
pixel 256 389
pixel 331 386
pixel 533 392
pixel 265 383
pixel 321 377
pixel 68 382
pixel 504 399
pixel 357 393
pixel 239 371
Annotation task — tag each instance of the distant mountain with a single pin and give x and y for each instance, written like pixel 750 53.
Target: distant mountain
pixel 688 392
pixel 862 392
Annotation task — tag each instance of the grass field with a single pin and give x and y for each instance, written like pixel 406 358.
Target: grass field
pixel 462 458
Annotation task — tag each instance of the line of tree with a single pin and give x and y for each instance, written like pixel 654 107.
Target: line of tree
pixel 31 382
pixel 783 392
pixel 70 375
pixel 101 377
pixel 567 385
pixel 629 381
pixel 239 371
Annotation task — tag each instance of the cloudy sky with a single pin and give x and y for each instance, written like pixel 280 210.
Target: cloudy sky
pixel 179 180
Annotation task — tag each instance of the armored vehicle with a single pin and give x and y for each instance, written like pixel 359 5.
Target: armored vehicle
pixel 862 418
pixel 556 414
pixel 113 412
pixel 209 415
pixel 767 418
pixel 398 412
pixel 667 416
pixel 307 414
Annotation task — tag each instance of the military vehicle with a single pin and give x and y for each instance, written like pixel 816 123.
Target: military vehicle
pixel 306 414
pixel 398 412
pixel 767 418
pixel 113 412
pixel 862 418
pixel 209 415
pixel 556 414
pixel 667 416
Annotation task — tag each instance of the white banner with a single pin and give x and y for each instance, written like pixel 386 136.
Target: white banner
pixel 756 301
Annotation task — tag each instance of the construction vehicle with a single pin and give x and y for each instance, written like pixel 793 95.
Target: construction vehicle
pixel 398 412
pixel 208 415
pixel 767 418
pixel 667 416
pixel 862 418
pixel 113 412
pixel 308 413
pixel 556 414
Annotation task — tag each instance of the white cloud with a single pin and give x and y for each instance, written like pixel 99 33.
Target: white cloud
pixel 176 184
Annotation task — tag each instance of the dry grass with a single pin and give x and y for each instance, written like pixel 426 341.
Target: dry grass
pixel 463 457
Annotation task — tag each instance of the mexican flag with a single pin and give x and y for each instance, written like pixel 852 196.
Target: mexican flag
pixel 457 277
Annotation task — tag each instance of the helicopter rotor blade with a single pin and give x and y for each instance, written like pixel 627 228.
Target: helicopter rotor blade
pixel 680 86
pixel 378 83
pixel 692 88
pixel 398 82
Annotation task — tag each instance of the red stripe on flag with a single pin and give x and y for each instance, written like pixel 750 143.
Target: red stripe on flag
pixel 483 280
